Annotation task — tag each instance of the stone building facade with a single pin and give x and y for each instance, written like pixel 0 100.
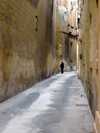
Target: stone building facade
pixel 66 33
pixel 27 44
pixel 88 47
pixel 96 126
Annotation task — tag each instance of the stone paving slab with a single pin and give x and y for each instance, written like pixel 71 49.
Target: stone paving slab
pixel 55 105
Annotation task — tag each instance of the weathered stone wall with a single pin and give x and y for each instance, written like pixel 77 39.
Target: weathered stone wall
pixel 72 55
pixel 72 40
pixel 66 27
pixel 89 49
pixel 96 125
pixel 27 44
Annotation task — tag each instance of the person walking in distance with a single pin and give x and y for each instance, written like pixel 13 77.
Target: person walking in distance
pixel 62 67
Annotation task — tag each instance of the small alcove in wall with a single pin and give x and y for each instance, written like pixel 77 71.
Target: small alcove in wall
pixel 91 72
pixel 97 2
pixel 90 18
pixel 36 23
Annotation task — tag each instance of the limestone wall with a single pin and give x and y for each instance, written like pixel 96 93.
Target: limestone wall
pixel 66 27
pixel 27 44
pixel 89 49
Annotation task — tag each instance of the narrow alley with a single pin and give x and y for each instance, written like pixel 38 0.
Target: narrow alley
pixel 39 40
pixel 55 105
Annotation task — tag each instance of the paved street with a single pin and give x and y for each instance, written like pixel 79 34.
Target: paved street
pixel 55 105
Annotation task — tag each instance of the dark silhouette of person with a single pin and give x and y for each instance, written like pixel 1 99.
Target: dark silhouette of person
pixel 62 67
